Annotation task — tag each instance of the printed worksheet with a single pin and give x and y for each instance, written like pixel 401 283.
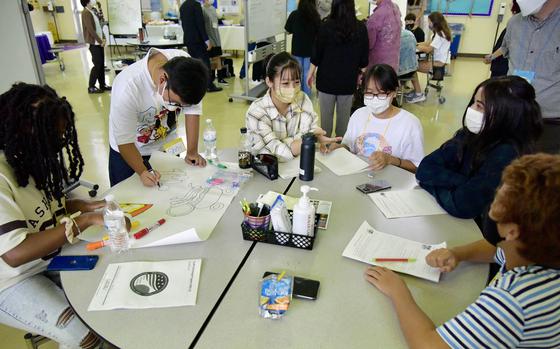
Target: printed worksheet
pixel 406 203
pixel 142 285
pixel 368 244
pixel 342 162
pixel 289 169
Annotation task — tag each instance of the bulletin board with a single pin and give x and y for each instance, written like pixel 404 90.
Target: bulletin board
pixel 462 7
pixel 266 18
pixel 125 16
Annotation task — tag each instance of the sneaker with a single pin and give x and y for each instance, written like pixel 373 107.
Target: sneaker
pixel 106 88
pixel 417 98
pixel 214 88
pixel 223 82
pixel 91 90
pixel 410 94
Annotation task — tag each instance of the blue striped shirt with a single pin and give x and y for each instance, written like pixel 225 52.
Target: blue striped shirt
pixel 519 309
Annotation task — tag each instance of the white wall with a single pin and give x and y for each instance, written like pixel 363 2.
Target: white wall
pixel 17 62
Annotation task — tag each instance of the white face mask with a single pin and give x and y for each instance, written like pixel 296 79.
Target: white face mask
pixel 287 94
pixel 376 105
pixel 530 7
pixel 162 102
pixel 474 120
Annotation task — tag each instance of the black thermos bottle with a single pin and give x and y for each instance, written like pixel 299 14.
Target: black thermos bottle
pixel 307 157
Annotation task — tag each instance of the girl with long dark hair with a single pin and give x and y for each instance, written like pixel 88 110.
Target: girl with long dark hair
pixel 303 24
pixel 340 54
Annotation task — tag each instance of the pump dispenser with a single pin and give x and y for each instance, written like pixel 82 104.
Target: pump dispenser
pixel 304 214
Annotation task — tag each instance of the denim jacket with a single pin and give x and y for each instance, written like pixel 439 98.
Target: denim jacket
pixel 408 62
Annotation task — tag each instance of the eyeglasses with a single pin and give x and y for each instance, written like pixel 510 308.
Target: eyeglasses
pixel 380 96
pixel 174 104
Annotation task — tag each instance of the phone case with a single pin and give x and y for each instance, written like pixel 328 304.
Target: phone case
pixel 67 263
pixel 303 288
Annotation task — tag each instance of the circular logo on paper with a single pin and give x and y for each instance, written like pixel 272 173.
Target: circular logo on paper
pixel 149 283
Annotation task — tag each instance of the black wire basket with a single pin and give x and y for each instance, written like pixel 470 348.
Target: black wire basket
pixel 270 236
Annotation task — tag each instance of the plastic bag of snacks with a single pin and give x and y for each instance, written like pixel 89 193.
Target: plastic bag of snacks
pixel 275 295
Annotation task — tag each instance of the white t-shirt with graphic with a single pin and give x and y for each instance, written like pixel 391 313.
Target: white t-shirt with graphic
pixel 25 210
pixel 441 48
pixel 401 136
pixel 135 115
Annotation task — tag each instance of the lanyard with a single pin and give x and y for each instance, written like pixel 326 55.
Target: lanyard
pixel 541 51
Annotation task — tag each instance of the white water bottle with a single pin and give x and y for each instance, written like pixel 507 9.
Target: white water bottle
pixel 209 135
pixel 115 223
pixel 304 214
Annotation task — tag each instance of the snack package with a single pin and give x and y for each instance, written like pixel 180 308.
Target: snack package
pixel 275 296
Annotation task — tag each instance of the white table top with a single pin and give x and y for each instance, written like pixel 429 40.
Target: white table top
pixel 155 42
pixel 349 312
pixel 175 327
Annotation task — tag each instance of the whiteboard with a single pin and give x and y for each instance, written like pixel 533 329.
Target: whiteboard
pixel 265 18
pixel 125 16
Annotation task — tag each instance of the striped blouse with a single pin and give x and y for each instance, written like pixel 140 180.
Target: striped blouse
pixel 272 133
pixel 519 309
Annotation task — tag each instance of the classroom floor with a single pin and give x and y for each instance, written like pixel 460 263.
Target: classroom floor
pixel 92 113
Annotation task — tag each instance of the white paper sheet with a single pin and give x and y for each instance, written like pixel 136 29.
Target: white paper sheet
pixel 406 203
pixel 190 207
pixel 289 169
pixel 142 285
pixel 322 208
pixel 369 243
pixel 342 162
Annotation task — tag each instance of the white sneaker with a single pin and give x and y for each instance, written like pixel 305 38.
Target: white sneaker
pixel 410 94
pixel 417 98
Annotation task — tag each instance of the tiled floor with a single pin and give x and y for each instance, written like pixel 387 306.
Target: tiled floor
pixel 92 111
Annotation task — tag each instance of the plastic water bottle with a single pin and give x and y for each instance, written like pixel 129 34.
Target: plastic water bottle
pixel 244 152
pixel 209 137
pixel 113 216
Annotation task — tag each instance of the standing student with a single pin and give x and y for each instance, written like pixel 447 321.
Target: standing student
pixel 93 36
pixel 502 122
pixel 439 48
pixel 383 133
pixel 148 97
pixel 277 121
pixel 195 36
pixel 39 152
pixel 384 32
pixel 411 24
pixel 304 24
pixel 499 65
pixel 215 53
pixel 408 62
pixel 532 47
pixel 340 55
pixel 519 308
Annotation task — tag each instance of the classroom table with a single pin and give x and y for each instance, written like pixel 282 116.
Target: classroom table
pixel 176 327
pixel 158 42
pixel 232 37
pixel 349 312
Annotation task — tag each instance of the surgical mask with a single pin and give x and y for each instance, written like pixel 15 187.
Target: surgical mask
pixel 287 94
pixel 376 105
pixel 474 120
pixel 530 7
pixel 162 102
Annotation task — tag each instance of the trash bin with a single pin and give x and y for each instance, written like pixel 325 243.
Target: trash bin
pixel 456 32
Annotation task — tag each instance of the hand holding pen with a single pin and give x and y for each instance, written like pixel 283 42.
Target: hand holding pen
pixel 150 177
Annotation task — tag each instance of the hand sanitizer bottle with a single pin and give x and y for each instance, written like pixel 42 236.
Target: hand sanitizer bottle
pixel 304 214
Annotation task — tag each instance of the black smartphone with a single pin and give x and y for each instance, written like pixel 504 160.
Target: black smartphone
pixel 303 288
pixel 68 263
pixel 377 185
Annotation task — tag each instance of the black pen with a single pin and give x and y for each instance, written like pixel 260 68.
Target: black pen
pixel 151 170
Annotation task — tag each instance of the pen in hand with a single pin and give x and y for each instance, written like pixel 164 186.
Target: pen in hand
pixel 151 170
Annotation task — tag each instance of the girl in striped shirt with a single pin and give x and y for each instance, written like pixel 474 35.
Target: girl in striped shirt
pixel 520 308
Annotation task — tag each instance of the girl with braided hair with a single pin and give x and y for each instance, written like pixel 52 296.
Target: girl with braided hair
pixel 37 139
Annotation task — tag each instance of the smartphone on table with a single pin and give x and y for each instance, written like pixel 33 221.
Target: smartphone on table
pixel 69 263
pixel 372 187
pixel 303 288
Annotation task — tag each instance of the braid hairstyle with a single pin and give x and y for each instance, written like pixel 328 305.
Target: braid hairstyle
pixel 36 129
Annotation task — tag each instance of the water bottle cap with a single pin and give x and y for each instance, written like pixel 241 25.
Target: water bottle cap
pixel 308 138
pixel 243 129
pixel 208 121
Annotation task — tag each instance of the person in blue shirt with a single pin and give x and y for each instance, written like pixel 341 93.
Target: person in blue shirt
pixel 503 121
pixel 520 308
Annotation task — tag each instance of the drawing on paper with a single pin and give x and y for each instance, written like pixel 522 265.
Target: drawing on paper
pixel 172 178
pixel 197 198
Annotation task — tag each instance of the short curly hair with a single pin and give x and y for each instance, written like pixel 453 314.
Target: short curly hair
pixel 530 197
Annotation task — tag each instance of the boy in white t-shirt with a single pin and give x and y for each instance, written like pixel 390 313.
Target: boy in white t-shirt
pixel 383 133
pixel 146 100
pixel 438 47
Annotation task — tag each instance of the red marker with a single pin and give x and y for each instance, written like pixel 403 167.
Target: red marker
pixel 145 231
